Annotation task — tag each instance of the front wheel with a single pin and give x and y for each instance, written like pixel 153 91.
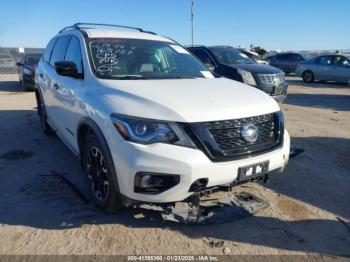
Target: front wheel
pixel 99 170
pixel 308 76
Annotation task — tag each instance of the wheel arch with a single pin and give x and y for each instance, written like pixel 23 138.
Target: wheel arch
pixel 306 70
pixel 87 126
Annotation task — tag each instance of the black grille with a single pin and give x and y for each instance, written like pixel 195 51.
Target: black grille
pixel 223 139
pixel 227 134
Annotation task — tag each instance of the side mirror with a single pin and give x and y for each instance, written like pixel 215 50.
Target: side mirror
pixel 67 68
pixel 210 66
pixel 19 64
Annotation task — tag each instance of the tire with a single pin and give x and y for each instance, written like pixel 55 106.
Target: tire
pixel 99 171
pixel 308 76
pixel 43 116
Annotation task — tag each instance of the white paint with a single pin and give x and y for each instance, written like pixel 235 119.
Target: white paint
pixel 207 74
pixel 179 49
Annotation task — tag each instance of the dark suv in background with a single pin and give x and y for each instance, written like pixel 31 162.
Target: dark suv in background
pixel 288 62
pixel 229 62
pixel 26 70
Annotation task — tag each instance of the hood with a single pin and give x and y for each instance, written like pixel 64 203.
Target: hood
pixel 258 68
pixel 186 100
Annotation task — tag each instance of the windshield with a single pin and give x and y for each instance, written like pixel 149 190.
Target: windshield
pixel 230 56
pixel 115 58
pixel 32 59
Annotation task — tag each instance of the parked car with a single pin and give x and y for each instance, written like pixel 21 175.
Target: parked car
pixel 26 70
pixel 288 62
pixel 325 68
pixel 229 62
pixel 253 55
pixel 149 121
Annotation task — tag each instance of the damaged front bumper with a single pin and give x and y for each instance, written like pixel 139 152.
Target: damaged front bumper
pixel 202 208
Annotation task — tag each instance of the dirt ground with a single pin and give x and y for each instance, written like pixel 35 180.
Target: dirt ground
pixel 40 213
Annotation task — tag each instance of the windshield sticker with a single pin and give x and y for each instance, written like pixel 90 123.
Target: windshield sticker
pixel 179 49
pixel 207 74
pixel 107 55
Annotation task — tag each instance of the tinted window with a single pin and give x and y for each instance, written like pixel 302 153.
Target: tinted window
pixel 59 50
pixel 32 59
pixel 48 50
pixel 297 57
pixel 337 59
pixel 344 61
pixel 73 53
pixel 282 57
pixel 325 60
pixel 202 55
pixel 230 56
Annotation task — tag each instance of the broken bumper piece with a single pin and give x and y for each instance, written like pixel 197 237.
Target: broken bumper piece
pixel 233 207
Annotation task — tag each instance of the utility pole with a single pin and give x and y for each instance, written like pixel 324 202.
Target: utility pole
pixel 192 15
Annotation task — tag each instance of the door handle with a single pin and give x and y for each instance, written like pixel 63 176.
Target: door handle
pixel 56 86
pixel 41 76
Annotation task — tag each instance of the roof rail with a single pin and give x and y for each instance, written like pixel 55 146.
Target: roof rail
pixel 78 27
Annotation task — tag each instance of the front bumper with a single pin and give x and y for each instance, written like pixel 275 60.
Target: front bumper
pixel 190 164
pixel 280 98
pixel 277 92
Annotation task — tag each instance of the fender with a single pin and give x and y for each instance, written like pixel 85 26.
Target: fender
pixel 91 124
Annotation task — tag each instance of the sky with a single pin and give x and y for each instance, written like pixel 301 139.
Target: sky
pixel 271 24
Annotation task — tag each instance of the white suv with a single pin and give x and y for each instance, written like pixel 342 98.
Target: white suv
pixel 148 120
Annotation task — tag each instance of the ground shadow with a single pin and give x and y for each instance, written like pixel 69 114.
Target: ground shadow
pixel 10 86
pixel 326 101
pixel 297 81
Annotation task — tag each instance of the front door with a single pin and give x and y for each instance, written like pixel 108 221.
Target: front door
pixel 66 92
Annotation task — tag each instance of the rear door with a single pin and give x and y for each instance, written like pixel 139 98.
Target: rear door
pixel 43 77
pixel 294 61
pixel 324 68
pixel 282 61
pixel 342 69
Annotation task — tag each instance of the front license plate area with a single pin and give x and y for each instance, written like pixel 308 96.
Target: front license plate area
pixel 278 90
pixel 252 171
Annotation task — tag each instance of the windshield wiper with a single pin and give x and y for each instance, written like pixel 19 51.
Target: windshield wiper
pixel 137 77
pixel 131 77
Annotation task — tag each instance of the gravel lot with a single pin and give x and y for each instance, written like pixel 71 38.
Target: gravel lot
pixel 40 213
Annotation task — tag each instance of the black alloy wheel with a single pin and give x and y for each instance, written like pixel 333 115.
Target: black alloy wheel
pixel 97 174
pixel 100 174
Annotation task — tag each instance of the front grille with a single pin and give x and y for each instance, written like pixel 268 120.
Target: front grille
pixel 271 79
pixel 223 140
pixel 227 134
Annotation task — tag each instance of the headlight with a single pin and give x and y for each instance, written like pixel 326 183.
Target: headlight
pixel 247 77
pixel 145 131
pixel 27 71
